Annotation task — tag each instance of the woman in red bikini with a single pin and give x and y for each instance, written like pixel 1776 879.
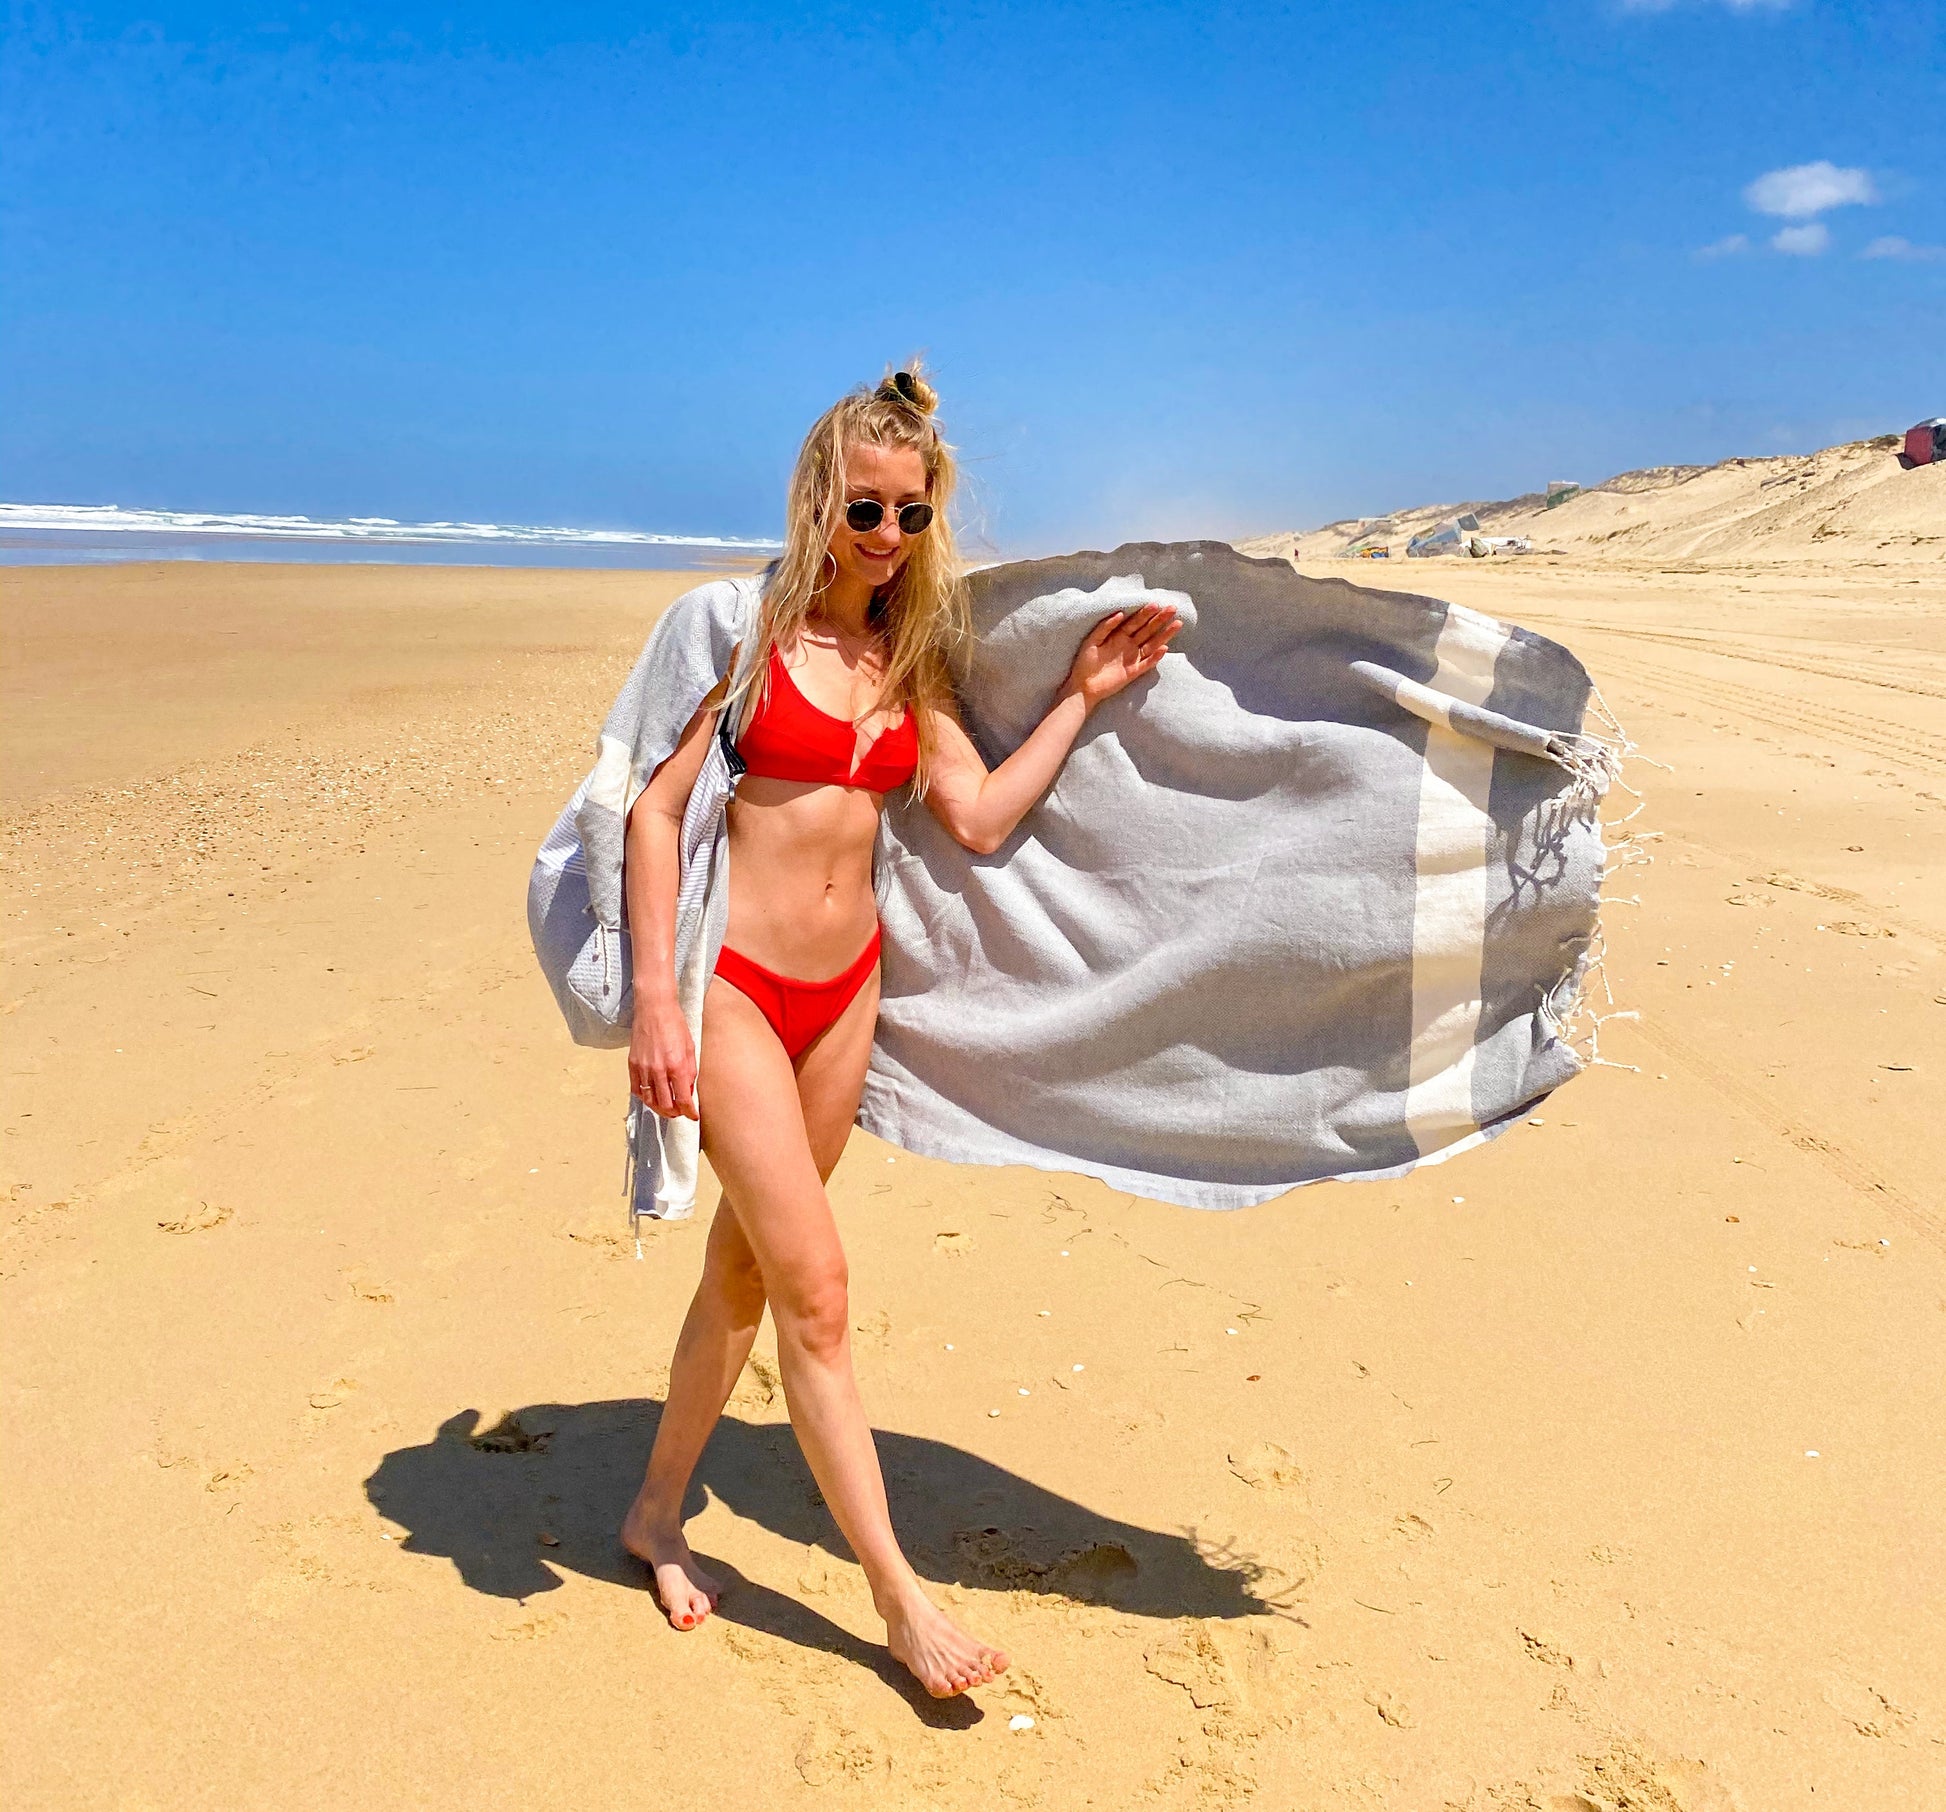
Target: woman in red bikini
pixel 849 699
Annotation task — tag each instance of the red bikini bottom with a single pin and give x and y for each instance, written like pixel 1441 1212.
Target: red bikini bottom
pixel 799 1011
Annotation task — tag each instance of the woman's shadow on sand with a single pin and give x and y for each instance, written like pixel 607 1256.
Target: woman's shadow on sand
pixel 484 1497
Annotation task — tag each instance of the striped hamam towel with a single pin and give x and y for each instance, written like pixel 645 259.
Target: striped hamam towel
pixel 1317 899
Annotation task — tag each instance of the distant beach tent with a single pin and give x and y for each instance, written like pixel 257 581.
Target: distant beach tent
pixel 1559 490
pixel 1927 442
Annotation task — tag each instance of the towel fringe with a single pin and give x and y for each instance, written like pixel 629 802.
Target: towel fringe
pixel 1598 760
pixel 630 1165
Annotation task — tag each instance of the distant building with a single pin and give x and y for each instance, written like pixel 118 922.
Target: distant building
pixel 1559 490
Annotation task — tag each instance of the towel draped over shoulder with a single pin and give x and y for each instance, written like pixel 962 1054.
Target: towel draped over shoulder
pixel 1314 899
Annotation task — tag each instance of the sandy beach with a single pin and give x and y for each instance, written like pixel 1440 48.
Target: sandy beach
pixel 1597 1471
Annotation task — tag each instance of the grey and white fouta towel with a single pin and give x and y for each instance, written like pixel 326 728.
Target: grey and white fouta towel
pixel 1312 900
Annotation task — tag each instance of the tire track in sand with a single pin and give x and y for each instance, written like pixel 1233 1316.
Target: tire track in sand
pixel 1868 735
pixel 1854 672
pixel 1764 1109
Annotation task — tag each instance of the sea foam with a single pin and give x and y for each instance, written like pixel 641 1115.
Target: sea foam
pixel 56 519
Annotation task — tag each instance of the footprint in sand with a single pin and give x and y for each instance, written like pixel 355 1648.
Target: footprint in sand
pixel 280 1594
pixel 1271 1678
pixel 510 1435
pixel 954 1245
pixel 1391 1709
pixel 1867 1710
pixel 199 1219
pixel 1549 1654
pixel 837 1756
pixel 1191 1659
pixel 874 1329
pixel 822 1576
pixel 532 1629
pixel 1018 1693
pixel 1625 1778
pixel 1267 1467
pixel 1101 1573
pixel 598 1241
pixel 759 1385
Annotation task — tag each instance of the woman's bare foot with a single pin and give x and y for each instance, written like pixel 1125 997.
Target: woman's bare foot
pixel 943 1658
pixel 688 1594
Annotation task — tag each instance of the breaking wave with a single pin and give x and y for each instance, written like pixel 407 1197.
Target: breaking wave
pixel 60 519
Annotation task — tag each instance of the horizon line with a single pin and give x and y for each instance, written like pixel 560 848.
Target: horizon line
pixel 114 519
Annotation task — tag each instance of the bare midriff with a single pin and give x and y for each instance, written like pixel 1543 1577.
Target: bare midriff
pixel 801 900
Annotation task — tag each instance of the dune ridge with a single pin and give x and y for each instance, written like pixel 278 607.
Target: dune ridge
pixel 1857 501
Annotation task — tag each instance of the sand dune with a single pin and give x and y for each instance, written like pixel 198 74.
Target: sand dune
pixel 1854 502
pixel 1599 1469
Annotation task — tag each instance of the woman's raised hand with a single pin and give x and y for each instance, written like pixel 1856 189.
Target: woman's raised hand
pixel 981 810
pixel 662 1056
pixel 1121 649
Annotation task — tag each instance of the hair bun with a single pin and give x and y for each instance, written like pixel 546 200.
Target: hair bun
pixel 909 388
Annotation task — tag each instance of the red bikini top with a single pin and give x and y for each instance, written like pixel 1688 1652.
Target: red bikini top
pixel 789 738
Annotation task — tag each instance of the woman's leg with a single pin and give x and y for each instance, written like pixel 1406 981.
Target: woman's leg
pixel 711 1351
pixel 715 1342
pixel 719 1330
pixel 772 1135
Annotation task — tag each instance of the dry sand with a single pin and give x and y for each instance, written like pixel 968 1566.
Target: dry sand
pixel 1371 1497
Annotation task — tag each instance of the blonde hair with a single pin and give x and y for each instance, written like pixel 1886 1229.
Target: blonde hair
pixel 921 615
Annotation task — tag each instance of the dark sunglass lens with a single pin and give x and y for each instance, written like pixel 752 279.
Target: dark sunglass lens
pixel 864 515
pixel 915 519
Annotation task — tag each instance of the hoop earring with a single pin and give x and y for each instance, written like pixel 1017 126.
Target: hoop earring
pixel 822 581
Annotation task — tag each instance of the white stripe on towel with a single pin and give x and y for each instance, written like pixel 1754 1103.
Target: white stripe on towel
pixel 1449 919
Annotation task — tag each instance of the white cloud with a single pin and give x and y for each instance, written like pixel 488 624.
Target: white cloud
pixel 1802 190
pixel 1725 248
pixel 1803 241
pixel 1892 246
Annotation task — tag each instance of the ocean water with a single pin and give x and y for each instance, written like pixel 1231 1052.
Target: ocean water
pixel 58 534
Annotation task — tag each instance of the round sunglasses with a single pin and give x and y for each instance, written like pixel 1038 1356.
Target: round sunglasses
pixel 866 513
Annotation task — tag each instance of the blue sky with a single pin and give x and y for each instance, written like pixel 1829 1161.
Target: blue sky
pixel 1205 270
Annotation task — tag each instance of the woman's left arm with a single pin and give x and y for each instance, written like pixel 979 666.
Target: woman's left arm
pixel 980 808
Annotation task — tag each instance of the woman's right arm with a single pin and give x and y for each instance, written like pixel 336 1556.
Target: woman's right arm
pixel 661 1054
pixel 981 810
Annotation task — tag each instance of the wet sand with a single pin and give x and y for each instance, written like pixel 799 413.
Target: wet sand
pixel 329 1370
